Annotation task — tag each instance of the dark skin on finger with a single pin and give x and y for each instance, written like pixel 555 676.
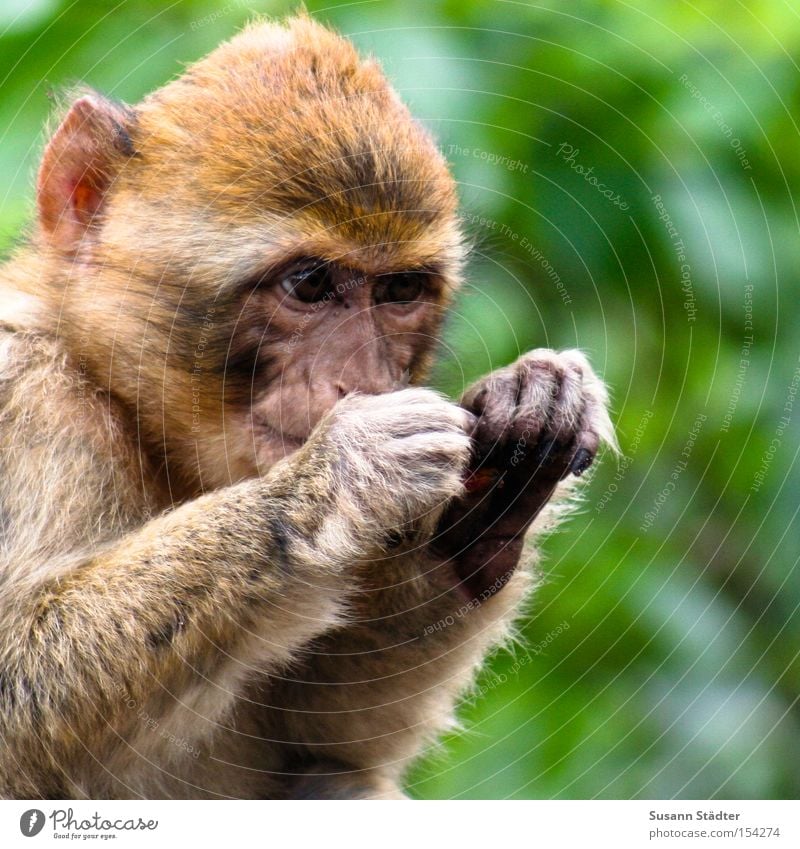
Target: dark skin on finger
pixel 508 482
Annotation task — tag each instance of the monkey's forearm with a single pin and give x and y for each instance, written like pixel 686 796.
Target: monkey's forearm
pixel 331 780
pixel 186 604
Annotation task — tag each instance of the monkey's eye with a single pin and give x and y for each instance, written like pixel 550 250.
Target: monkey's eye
pixel 307 283
pixel 401 288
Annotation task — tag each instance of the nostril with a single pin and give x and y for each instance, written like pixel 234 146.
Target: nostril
pixel 342 391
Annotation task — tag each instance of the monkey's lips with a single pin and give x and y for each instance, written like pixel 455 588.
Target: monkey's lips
pixel 274 434
pixel 272 444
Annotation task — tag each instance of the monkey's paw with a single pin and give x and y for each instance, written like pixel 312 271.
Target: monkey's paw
pixel 538 420
pixel 547 413
pixel 398 460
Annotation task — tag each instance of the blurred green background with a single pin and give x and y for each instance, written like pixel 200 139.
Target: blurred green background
pixel 628 173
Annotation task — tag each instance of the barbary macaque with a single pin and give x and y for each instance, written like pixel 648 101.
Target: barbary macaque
pixel 231 514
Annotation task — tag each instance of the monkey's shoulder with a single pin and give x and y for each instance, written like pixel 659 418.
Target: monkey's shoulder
pixel 50 406
pixel 34 366
pixel 69 468
pixel 19 310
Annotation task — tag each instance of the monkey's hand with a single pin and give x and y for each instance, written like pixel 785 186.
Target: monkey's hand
pixel 390 463
pixel 539 420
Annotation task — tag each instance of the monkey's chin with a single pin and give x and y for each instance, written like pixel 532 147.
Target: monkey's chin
pixel 271 445
pixel 270 452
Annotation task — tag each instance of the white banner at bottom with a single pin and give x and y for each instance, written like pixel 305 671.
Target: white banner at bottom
pixel 464 824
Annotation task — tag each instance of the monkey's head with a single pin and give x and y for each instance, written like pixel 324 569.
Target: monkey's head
pixel 263 235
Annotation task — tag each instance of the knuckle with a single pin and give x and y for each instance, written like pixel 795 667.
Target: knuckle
pixel 539 359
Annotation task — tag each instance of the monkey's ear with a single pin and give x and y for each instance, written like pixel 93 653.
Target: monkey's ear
pixel 78 167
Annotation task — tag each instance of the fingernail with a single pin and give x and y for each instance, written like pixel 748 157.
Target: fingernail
pixel 581 461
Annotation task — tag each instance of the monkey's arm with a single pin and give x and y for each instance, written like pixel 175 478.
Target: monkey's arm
pixel 120 652
pixel 331 780
pixel 185 606
pixel 537 421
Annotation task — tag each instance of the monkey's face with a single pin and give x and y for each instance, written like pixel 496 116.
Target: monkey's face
pixel 282 234
pixel 313 330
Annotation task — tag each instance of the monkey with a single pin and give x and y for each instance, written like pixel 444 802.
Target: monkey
pixel 245 552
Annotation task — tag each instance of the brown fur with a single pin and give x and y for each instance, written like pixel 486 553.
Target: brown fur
pixel 217 504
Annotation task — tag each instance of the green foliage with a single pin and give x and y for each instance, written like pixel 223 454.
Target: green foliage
pixel 661 657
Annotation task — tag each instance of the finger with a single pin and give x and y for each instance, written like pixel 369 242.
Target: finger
pixel 539 381
pixel 588 438
pixel 494 402
pixel 568 410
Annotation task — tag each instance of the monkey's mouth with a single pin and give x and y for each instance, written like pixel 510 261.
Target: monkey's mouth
pixel 269 433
